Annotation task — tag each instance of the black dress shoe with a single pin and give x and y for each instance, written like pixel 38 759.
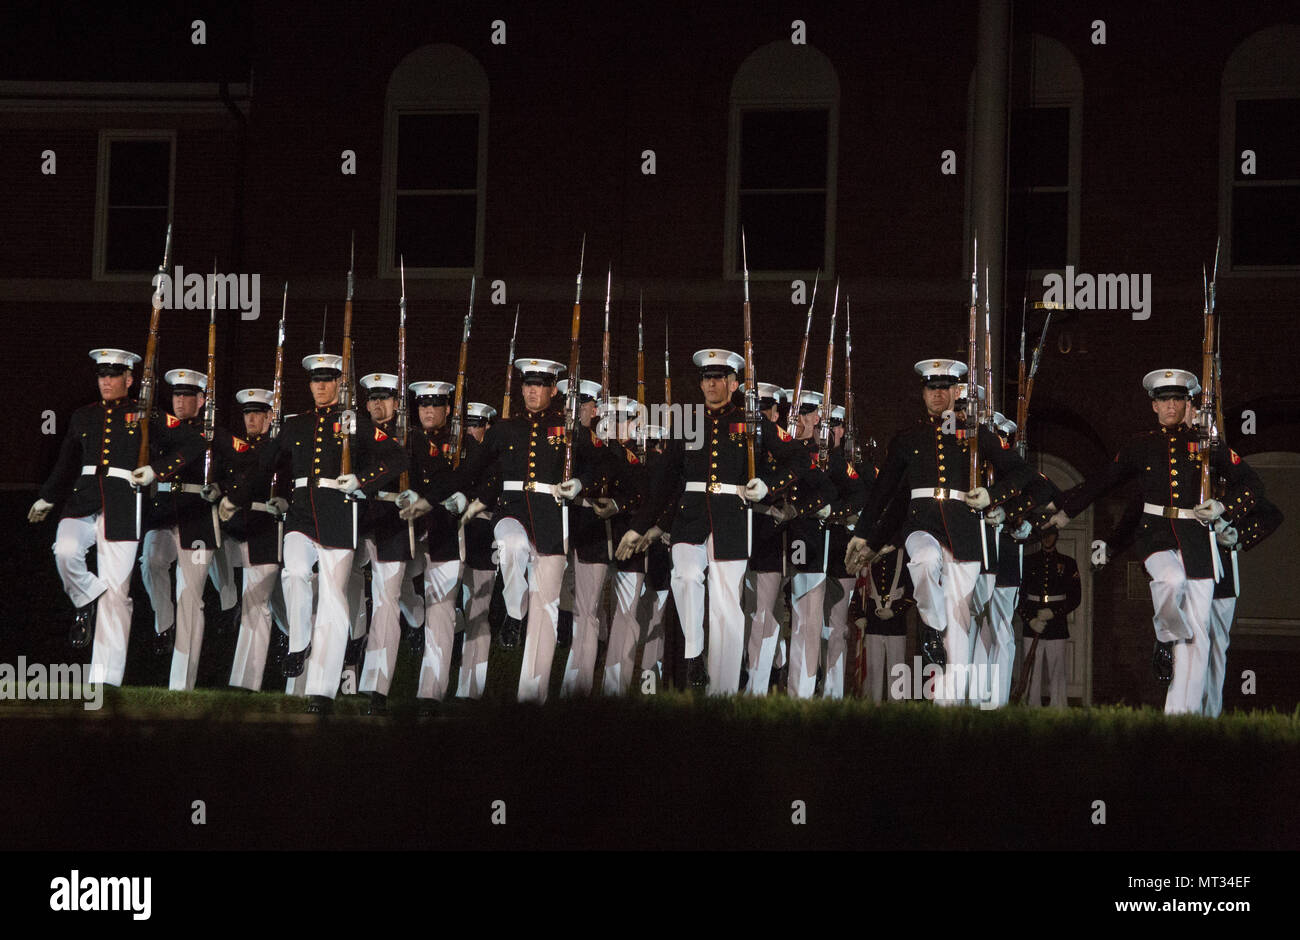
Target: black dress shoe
pixel 1162 661
pixel 165 642
pixel 378 704
pixel 83 627
pixel 319 704
pixel 429 708
pixel 564 628
pixel 510 633
pixel 697 673
pixel 355 649
pixel 295 663
pixel 932 647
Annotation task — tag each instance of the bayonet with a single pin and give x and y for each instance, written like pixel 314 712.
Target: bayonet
pixel 793 422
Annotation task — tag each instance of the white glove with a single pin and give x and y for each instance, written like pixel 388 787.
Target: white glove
pixel 604 507
pixel 858 555
pixel 455 504
pixel 1045 614
pixel 143 476
pixel 407 498
pixel 886 550
pixel 348 422
pixel 627 545
pixel 1038 626
pixel 1023 531
pixel 277 506
pixel 755 490
pixel 978 498
pixel 1100 553
pixel 1209 510
pixel 570 488
pixel 348 483
pixel 226 509
pixel 211 492
pixel 824 512
pixel 852 521
pixel 1059 520
pixel 885 613
pixel 666 538
pixel 996 516
pixel 40 509
pixel 654 532
pixel 473 509
pixel 416 509
pixel 787 514
pixel 1227 537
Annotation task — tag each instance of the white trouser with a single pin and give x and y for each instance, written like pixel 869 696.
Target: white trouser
pixel 650 611
pixel 441 584
pixel 329 634
pixel 161 548
pixel 883 654
pixel 942 587
pixel 1222 610
pixel 409 603
pixel 839 592
pixel 1001 655
pixel 1049 657
pixel 222 572
pixel 478 633
pixel 762 594
pixel 542 575
pixel 254 616
pixel 112 586
pixel 588 592
pixel 358 619
pixel 726 620
pixel 385 630
pixel 807 608
pixel 1182 614
pixel 624 632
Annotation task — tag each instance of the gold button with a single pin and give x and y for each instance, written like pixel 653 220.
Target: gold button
pixel 317 460
pixel 1173 473
pixel 531 464
pixel 715 453
pixel 941 479
pixel 940 466
pixel 531 474
pixel 713 477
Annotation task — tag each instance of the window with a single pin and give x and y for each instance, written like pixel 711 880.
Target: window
pixel 133 203
pixel 435 164
pixel 782 162
pixel 1043 164
pixel 1259 194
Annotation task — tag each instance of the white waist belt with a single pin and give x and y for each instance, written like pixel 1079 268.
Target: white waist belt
pixel 1169 512
pixel 729 489
pixel 1049 599
pixel 932 492
pixel 119 472
pixel 180 487
pixel 550 489
pixel 328 483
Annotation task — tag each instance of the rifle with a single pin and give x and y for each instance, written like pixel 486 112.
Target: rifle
pixel 1033 366
pixel 510 368
pixel 148 376
pixel 210 401
pixel 987 417
pixel 824 427
pixel 604 355
pixel 640 379
pixel 752 427
pixel 277 397
pixel 571 421
pixel 972 391
pixel 1208 431
pixel 403 417
pixel 1022 403
pixel 347 417
pixel 850 430
pixel 793 422
pixel 668 384
pixel 458 403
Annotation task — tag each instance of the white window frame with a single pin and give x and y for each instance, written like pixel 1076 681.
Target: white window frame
pixel 107 138
pixel 791 89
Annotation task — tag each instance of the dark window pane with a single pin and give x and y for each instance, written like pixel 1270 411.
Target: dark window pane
pixel 138 172
pixel 436 231
pixel 1038 230
pixel 783 149
pixel 1266 225
pixel 1040 147
pixel 437 151
pixel 135 239
pixel 784 232
pixel 1272 130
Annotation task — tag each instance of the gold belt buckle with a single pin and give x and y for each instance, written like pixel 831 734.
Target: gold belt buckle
pixel 715 487
pixel 939 492
pixel 1170 512
pixel 530 487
